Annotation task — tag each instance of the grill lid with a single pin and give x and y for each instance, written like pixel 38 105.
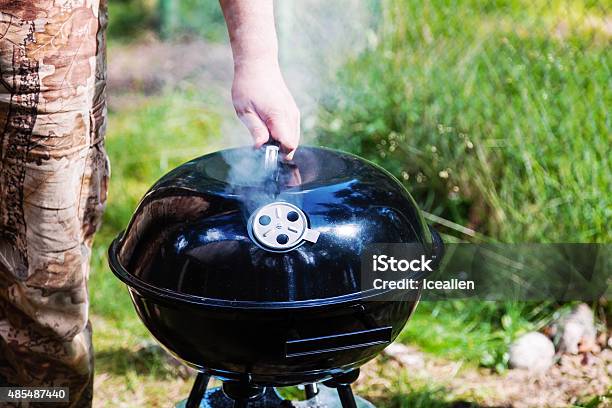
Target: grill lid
pixel 220 227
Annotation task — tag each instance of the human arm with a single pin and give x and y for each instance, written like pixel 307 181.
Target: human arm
pixel 261 98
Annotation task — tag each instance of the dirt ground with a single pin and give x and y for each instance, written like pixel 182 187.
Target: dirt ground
pixel 150 67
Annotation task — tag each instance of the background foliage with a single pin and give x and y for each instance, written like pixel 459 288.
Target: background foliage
pixel 131 19
pixel 496 117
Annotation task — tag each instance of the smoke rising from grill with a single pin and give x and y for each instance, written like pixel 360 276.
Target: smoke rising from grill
pixel 316 37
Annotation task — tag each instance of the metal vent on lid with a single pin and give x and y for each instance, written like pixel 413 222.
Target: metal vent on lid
pixel 281 226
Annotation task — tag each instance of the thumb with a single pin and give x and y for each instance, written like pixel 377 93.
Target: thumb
pixel 257 128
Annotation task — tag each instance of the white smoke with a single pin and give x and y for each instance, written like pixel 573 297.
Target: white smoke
pixel 316 37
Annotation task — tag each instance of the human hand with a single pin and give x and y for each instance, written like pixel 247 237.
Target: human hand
pixel 265 105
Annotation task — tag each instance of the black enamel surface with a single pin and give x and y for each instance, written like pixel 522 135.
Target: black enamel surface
pixel 231 343
pixel 190 232
pixel 226 306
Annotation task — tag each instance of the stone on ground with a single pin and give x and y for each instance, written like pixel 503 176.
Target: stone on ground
pixel 576 333
pixel 532 351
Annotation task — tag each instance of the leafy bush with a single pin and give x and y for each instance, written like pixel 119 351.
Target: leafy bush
pixel 495 117
pixel 131 19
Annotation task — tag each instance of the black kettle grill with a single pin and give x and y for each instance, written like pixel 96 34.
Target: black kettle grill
pixel 248 269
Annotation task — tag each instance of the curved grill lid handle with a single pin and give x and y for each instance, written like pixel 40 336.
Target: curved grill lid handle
pixel 271 167
pixel 271 156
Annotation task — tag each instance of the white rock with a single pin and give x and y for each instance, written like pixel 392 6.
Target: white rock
pixel 532 351
pixel 576 331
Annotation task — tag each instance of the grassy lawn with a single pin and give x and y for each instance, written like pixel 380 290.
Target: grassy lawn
pixel 496 117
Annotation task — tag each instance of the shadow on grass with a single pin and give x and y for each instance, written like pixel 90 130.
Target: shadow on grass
pixel 149 361
pixel 424 398
pixel 419 398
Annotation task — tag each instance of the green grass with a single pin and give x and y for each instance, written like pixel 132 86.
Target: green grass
pixel 598 401
pixel 144 143
pixel 496 117
pixel 408 393
pixel 475 332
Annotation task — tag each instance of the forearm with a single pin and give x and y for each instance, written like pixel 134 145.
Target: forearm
pixel 252 34
pixel 259 93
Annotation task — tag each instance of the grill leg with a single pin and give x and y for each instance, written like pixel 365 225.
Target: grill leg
pixel 242 392
pixel 347 399
pixel 311 390
pixel 342 384
pixel 197 391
